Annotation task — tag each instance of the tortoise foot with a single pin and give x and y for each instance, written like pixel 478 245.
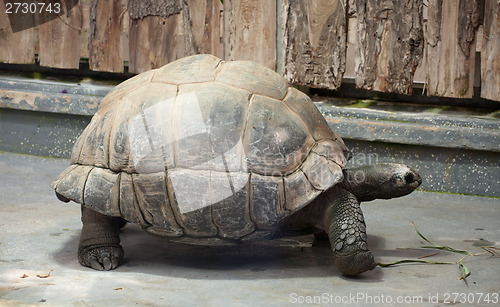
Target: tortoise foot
pixel 356 263
pixel 101 258
pixel 347 232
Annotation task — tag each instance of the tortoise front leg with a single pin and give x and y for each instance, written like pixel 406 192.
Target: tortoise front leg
pixel 345 226
pixel 99 246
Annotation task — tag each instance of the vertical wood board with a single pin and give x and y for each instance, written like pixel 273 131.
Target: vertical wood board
pixel 250 31
pixel 490 55
pixel 389 44
pixel 450 47
pixel 157 40
pixel 60 37
pixel 154 41
pixel 16 47
pixel 205 19
pixel 313 42
pixel 105 53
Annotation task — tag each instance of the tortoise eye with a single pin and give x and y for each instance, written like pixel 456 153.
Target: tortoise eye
pixel 409 178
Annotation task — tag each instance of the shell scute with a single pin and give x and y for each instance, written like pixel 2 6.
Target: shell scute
pixel 197 68
pixel 276 140
pixel 254 78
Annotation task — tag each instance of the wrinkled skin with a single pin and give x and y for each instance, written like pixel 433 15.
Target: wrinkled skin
pixel 335 214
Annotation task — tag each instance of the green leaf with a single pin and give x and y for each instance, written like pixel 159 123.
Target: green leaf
pixel 437 246
pixel 464 271
pixel 447 248
pixel 385 265
pixel 421 235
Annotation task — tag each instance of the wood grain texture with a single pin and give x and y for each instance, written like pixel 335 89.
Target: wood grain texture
pixel 490 55
pixel 250 31
pixel 450 47
pixel 60 37
pixel 205 18
pixel 313 42
pixel 141 8
pixel 85 28
pixel 157 40
pixel 16 47
pixel 105 53
pixel 389 44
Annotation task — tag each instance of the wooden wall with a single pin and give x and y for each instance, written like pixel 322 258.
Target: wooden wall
pixel 384 45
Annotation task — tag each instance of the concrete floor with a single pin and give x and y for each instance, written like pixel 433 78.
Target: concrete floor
pixel 39 235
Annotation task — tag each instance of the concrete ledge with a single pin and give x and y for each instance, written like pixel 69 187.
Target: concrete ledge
pixel 354 123
pixel 415 129
pixel 50 96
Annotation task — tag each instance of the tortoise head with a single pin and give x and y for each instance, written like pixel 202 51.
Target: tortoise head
pixel 398 180
pixel 382 180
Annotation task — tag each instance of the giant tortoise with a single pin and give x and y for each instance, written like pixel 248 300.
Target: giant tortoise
pixel 217 151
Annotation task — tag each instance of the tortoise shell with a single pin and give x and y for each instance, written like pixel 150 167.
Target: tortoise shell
pixel 204 148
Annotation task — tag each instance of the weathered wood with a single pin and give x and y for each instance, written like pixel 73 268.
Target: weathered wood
pixel 85 29
pixel 139 8
pixel 313 42
pixel 156 40
pixel 16 46
pixel 153 42
pixel 105 53
pixel 389 44
pixel 490 55
pixel 162 37
pixel 250 31
pixel 205 17
pixel 60 37
pixel 450 48
pixel 125 26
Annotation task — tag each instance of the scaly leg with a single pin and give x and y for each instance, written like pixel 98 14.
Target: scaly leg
pixel 346 229
pixel 99 246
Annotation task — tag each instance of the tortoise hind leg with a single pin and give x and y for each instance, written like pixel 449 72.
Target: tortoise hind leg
pixel 99 246
pixel 347 233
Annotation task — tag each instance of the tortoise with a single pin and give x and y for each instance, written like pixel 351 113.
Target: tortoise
pixel 216 152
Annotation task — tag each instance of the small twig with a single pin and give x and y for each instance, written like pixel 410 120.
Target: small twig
pixel 426 256
pixel 385 265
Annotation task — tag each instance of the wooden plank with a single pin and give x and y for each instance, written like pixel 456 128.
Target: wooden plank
pixel 313 42
pixel 17 37
pixel 85 29
pixel 159 36
pixel 389 44
pixel 142 8
pixel 250 31
pixel 205 17
pixel 125 26
pixel 60 37
pixel 105 53
pixel 154 41
pixel 450 47
pixel 490 55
